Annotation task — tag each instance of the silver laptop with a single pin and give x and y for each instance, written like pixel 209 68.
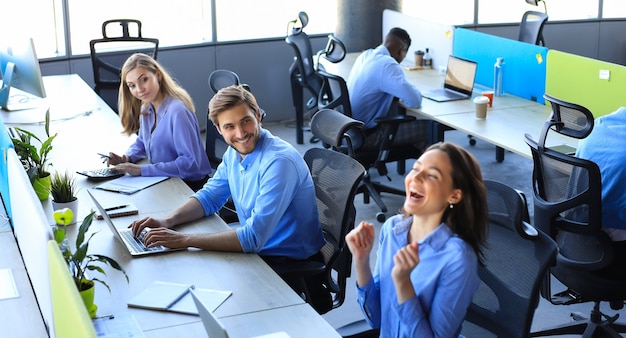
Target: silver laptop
pixel 134 245
pixel 459 81
pixel 212 325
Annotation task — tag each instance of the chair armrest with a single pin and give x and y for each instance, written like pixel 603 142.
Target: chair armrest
pixel 391 119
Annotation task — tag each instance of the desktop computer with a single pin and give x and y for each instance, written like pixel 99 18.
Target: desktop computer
pixel 22 86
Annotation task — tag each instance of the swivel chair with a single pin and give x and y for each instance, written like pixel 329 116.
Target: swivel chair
pixel 334 95
pixel 304 79
pixel 531 27
pixel 109 53
pixel 517 258
pixel 336 177
pixel 568 206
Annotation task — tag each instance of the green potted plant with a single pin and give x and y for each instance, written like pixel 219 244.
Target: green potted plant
pixel 35 161
pixel 63 190
pixel 80 261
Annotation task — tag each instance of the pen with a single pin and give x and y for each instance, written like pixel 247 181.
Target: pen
pixel 180 296
pixel 104 155
pixel 116 207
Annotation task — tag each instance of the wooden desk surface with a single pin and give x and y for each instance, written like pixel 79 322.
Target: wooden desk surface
pixel 257 290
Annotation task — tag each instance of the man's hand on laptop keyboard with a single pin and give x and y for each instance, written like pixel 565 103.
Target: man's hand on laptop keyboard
pixel 147 222
pixel 165 237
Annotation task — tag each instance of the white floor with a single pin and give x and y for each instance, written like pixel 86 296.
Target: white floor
pixel 515 171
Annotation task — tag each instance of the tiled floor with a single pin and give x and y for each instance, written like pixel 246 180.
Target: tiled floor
pixel 515 171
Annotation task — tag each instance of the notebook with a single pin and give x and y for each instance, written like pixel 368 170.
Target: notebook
pixel 175 297
pixel 459 81
pixel 126 209
pixel 134 245
pixel 129 184
pixel 212 324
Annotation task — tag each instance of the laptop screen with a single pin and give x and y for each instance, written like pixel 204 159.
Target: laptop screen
pixel 460 74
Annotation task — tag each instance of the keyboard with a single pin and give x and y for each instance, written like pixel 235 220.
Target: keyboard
pixel 101 174
pixel 137 242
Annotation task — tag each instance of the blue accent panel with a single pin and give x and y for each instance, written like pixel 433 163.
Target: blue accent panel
pixel 5 144
pixel 525 64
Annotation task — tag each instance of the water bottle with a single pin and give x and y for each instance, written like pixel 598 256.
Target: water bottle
pixel 498 70
pixel 428 60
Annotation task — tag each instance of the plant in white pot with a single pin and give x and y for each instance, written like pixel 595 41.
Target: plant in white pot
pixel 63 190
pixel 35 161
pixel 80 261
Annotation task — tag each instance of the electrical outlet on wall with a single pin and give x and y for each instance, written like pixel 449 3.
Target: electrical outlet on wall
pixel 605 74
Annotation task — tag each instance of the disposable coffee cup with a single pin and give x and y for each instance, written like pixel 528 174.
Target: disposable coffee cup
pixel 481 103
pixel 489 94
pixel 419 58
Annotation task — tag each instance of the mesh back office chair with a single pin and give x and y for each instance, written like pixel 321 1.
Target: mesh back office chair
pixel 304 79
pixel 334 95
pixel 517 258
pixel 336 177
pixel 568 206
pixel 531 27
pixel 109 53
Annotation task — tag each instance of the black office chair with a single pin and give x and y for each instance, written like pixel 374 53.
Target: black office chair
pixel 531 28
pixel 109 53
pixel 517 258
pixel 334 95
pixel 302 72
pixel 568 206
pixel 336 177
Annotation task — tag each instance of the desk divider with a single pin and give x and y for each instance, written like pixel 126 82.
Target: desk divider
pixel 5 144
pixel 525 64
pixel 424 34
pixel 576 79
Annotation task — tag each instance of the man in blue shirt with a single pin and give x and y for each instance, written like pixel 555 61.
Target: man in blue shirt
pixel 375 80
pixel 270 185
pixel 605 146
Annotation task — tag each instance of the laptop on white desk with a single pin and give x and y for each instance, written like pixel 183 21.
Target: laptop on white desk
pixel 459 81
pixel 134 245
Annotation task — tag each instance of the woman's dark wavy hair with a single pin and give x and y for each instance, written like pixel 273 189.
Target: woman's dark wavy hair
pixel 468 218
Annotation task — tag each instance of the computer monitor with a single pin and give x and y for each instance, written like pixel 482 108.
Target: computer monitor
pixel 20 70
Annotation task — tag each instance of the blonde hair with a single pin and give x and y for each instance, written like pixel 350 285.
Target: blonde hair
pixel 130 107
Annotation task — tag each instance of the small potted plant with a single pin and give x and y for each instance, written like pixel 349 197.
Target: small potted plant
pixel 80 261
pixel 35 161
pixel 63 190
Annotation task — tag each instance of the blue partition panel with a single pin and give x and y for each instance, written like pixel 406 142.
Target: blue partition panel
pixel 5 143
pixel 525 64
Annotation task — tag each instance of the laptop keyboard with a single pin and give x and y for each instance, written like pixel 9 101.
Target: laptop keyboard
pixel 101 173
pixel 137 242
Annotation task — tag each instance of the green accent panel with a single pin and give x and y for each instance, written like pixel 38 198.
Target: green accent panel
pixel 576 79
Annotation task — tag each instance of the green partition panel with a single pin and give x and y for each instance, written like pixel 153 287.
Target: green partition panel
pixel 525 64
pixel 576 79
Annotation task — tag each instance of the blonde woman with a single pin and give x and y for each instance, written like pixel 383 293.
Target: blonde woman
pixel 161 112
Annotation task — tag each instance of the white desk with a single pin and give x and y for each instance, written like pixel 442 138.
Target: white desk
pixel 260 297
pixel 507 121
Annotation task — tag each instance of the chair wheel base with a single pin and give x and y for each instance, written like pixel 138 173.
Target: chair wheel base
pixel 381 217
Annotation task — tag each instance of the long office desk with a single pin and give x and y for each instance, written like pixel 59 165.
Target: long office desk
pixel 261 302
pixel 507 121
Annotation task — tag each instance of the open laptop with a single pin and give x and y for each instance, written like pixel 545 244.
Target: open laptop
pixel 459 81
pixel 134 245
pixel 214 327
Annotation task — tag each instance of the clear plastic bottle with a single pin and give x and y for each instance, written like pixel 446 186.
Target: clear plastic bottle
pixel 428 60
pixel 498 70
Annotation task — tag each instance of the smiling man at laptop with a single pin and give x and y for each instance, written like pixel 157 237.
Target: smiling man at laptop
pixel 270 185
pixel 375 80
